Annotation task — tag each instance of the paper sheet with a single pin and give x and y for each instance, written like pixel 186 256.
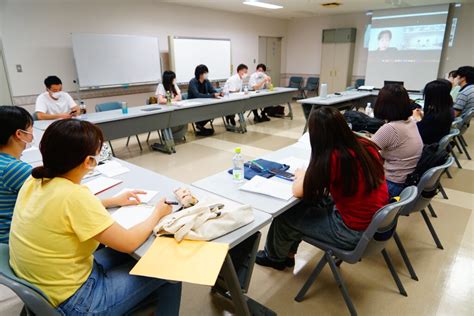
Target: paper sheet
pixel 129 216
pixel 187 103
pixel 294 163
pixel 101 184
pixel 112 168
pixel 272 187
pixel 189 261
pixel 144 198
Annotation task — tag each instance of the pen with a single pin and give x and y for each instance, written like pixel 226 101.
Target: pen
pixel 171 203
pixel 258 165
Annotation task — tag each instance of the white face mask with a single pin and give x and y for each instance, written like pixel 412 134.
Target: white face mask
pixel 56 95
pixel 206 76
pixel 27 144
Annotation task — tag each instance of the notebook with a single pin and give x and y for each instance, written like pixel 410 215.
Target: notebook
pixel 101 184
pixel 279 189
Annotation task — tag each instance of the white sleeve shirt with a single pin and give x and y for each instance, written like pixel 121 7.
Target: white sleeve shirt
pixel 46 104
pixel 234 83
pixel 256 78
pixel 160 90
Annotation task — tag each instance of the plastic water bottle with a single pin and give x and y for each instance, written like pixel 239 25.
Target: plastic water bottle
pixel 246 89
pixel 238 169
pixel 226 92
pixel 368 110
pixel 168 98
pixel 83 110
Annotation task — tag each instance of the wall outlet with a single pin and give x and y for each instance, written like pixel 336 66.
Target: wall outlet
pixel 19 68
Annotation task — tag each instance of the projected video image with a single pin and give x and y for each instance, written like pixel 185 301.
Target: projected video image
pixel 415 37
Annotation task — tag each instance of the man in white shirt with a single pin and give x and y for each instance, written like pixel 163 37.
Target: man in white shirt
pixel 55 103
pixel 234 84
pixel 260 80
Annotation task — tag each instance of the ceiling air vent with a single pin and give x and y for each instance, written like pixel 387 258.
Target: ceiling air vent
pixel 331 4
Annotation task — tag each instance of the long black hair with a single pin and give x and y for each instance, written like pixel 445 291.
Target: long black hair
pixel 438 100
pixel 168 77
pixel 333 141
pixel 13 118
pixel 64 146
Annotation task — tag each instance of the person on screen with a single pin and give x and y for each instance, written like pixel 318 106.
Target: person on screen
pixel 452 77
pixel 201 87
pixel 384 39
pixel 399 140
pixel 55 103
pixel 260 80
pixel 465 99
pixel 235 84
pixel 438 111
pixel 340 191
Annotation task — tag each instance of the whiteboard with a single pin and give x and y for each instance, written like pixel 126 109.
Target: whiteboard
pixel 104 60
pixel 188 52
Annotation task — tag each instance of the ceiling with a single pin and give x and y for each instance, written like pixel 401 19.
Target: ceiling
pixel 307 8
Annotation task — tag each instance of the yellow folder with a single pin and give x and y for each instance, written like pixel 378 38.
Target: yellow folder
pixel 189 261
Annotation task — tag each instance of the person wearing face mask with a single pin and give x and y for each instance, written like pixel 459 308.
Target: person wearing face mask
pixel 201 87
pixel 58 224
pixel 465 100
pixel 259 80
pixel 452 77
pixel 55 103
pixel 16 126
pixel 235 84
pixel 169 87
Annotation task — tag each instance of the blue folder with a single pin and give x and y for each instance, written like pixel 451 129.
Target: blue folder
pixel 251 170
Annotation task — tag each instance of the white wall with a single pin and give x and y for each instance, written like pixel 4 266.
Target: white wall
pixel 305 42
pixel 37 35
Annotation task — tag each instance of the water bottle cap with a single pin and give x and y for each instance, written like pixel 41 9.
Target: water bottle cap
pixel 237 150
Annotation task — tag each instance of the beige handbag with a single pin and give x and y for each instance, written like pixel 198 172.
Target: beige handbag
pixel 207 220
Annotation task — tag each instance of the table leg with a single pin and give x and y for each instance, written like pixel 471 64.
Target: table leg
pixel 243 123
pixel 290 114
pixel 168 146
pixel 306 124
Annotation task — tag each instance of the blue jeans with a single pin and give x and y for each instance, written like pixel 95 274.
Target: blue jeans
pixel 394 189
pixel 319 221
pixel 111 290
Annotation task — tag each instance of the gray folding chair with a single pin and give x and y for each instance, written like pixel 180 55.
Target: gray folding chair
pixel 35 301
pixel 427 187
pixel 373 241
pixel 110 106
pixel 445 144
pixel 463 125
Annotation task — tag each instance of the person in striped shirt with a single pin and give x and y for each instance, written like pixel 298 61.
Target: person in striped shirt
pixel 16 133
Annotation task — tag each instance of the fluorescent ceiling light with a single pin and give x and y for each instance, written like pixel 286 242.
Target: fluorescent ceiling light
pixel 263 5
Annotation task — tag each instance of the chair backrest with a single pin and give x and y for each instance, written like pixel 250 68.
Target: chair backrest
pixel 184 96
pixel 312 83
pixel 466 120
pixel 382 226
pixel 359 83
pixel 446 140
pixel 108 106
pixel 427 187
pixel 296 82
pixel 34 300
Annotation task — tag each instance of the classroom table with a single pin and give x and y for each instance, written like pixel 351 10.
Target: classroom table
pixel 222 184
pixel 140 119
pixel 140 178
pixel 201 109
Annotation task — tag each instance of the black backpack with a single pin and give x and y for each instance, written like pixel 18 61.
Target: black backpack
pixel 362 122
pixel 430 158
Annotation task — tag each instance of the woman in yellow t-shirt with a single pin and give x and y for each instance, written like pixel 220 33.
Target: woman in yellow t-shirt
pixel 58 224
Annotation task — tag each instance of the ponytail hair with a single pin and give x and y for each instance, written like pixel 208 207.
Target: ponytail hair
pixel 65 145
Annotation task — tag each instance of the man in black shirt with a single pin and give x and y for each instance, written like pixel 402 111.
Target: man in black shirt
pixel 201 87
